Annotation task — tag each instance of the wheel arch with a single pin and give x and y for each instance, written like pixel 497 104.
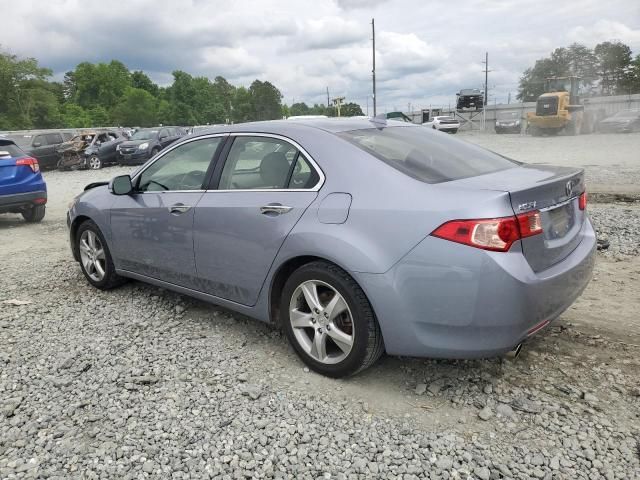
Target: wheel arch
pixel 73 231
pixel 284 271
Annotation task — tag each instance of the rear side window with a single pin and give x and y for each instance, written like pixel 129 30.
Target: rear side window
pixel 431 157
pixel 8 150
pixel 54 138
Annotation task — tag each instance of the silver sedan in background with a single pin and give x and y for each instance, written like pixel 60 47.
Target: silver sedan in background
pixel 357 237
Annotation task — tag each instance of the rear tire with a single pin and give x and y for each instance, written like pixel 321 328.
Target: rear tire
pixel 96 262
pixel 351 321
pixel 34 214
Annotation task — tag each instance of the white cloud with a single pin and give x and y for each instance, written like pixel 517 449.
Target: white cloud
pixel 606 30
pixel 426 51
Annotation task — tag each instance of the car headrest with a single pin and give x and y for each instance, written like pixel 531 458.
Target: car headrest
pixel 274 169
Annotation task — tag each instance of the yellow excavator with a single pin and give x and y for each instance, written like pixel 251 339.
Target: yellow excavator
pixel 561 109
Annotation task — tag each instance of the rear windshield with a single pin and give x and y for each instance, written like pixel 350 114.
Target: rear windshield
pixel 9 150
pixel 428 156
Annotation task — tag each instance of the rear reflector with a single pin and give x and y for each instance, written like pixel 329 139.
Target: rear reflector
pixel 495 234
pixel 29 162
pixel 538 327
pixel 582 201
pixel 40 201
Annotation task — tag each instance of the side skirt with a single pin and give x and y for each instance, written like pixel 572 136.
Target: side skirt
pixel 205 297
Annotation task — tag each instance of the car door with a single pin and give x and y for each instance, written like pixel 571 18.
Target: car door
pixel 164 138
pixel 107 149
pixel 258 194
pixel 152 229
pixel 41 150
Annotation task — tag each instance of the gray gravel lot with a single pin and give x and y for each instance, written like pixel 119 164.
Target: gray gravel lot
pixel 611 161
pixel 142 383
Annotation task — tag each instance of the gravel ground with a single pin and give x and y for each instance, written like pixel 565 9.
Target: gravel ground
pixel 611 161
pixel 142 383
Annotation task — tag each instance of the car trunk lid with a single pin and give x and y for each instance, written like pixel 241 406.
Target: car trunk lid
pixel 555 192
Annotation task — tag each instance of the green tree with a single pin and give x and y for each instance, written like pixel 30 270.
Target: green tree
pixel 140 80
pixel 265 100
pixel 100 84
pixel 137 107
pixel 99 116
pixel 74 116
pixel 242 106
pixel 299 109
pixel 614 60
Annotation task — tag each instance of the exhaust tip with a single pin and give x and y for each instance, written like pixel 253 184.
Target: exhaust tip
pixel 513 354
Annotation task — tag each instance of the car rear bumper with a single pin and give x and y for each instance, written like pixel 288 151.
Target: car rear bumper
pixel 452 301
pixel 17 201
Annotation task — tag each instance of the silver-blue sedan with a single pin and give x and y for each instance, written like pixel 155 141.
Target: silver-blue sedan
pixel 357 237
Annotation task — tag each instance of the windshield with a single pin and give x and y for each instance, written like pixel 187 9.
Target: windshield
pixel 144 134
pixel 627 114
pixel 425 155
pixel 508 115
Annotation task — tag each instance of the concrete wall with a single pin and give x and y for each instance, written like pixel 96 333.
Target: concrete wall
pixel 610 105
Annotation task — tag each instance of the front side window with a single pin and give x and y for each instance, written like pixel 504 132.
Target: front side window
pixel 425 155
pixel 183 168
pixel 259 163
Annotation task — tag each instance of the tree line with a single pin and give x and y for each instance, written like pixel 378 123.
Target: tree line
pixel 609 69
pixel 98 94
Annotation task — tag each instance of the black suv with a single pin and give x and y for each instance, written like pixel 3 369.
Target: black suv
pixel 145 143
pixel 43 146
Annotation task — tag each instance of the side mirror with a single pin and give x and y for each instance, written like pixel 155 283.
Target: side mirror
pixel 121 185
pixel 37 144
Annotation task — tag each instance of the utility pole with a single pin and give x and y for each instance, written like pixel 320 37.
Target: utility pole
pixel 486 89
pixel 373 32
pixel 509 98
pixel 328 103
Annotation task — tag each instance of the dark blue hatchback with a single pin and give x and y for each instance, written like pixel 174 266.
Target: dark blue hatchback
pixel 22 188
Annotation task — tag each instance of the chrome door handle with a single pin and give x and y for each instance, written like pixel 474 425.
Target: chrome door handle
pixel 179 208
pixel 276 209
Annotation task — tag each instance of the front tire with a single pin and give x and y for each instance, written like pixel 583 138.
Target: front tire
pixel 34 214
pixel 329 320
pixel 96 262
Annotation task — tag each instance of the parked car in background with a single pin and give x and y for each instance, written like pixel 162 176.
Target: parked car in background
pixel 90 149
pixel 444 124
pixel 508 121
pixel 22 188
pixel 463 254
pixel 145 143
pixel 42 146
pixel 625 121
pixel 398 116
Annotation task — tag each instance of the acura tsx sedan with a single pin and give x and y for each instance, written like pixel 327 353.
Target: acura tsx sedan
pixel 357 237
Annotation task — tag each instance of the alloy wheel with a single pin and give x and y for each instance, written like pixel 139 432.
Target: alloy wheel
pixel 92 255
pixel 94 163
pixel 322 322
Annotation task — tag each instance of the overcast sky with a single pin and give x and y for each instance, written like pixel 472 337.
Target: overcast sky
pixel 426 50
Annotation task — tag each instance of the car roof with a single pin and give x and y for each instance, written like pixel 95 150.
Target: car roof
pixel 286 127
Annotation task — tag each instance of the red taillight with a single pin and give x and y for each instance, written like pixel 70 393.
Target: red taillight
pixel 582 201
pixel 29 162
pixel 530 223
pixel 495 234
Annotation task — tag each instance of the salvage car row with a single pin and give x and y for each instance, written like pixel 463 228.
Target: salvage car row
pixel 94 148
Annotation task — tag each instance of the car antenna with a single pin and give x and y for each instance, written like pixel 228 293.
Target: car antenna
pixel 379 120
